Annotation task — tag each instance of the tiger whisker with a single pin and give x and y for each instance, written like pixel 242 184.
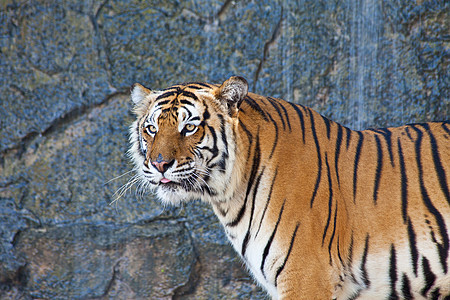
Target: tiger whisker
pixel 197 176
pixel 197 185
pixel 202 171
pixel 120 192
pixel 214 169
pixel 120 176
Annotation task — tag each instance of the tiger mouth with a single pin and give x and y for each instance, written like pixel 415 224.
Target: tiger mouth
pixel 184 184
pixel 165 180
pixel 174 185
pixel 169 184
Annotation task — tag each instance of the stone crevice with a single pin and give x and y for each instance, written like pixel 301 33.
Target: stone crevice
pixel 196 268
pixel 221 14
pixel 57 125
pixel 110 285
pixel 275 34
pixel 100 41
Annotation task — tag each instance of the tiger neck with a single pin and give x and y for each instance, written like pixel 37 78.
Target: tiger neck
pixel 230 208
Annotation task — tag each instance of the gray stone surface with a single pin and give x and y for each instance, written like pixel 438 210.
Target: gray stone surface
pixel 90 261
pixel 66 67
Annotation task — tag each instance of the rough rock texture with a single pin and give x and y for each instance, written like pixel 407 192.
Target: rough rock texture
pixel 64 114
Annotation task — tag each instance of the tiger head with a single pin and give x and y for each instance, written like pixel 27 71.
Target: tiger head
pixel 182 143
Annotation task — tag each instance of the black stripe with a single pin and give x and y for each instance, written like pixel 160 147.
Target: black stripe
pixel 165 95
pixel 378 169
pixel 443 248
pixel 175 87
pixel 269 196
pixel 436 293
pixel 330 200
pixel 280 269
pixel 338 152
pixel 332 235
pixel 206 114
pixel 222 211
pixel 393 274
pixel 413 246
pixel 255 166
pixel 255 106
pixel 189 95
pixel 408 134
pixel 275 142
pixel 430 277
pixel 275 105
pixel 214 150
pixel 350 268
pixel 252 210
pixel 197 85
pixel 189 85
pixel 348 132
pixel 446 129
pixel 319 161
pixel 224 135
pixel 339 253
pixel 350 251
pixel 142 148
pixel 270 240
pixel 363 263
pixel 162 103
pixel 327 125
pixel 199 154
pixel 189 114
pixel 388 138
pixel 186 102
pixel 286 114
pixel 403 182
pixel 356 165
pixel 406 288
pixel 438 164
pixel 247 132
pixel 301 118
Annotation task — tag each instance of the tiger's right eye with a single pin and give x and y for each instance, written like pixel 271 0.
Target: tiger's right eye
pixel 151 129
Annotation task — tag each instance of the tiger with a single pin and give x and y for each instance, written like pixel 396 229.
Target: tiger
pixel 314 209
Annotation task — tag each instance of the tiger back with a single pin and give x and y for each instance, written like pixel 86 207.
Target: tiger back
pixel 316 210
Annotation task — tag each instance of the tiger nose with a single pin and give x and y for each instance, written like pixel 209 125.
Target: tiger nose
pixel 162 165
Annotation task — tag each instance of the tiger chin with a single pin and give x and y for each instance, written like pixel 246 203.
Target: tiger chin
pixel 316 210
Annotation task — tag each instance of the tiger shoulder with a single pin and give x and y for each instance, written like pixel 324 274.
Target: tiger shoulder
pixel 314 209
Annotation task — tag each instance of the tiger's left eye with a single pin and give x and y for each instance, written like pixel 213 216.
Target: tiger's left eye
pixel 190 127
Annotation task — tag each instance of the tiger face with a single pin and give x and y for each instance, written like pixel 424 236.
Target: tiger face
pixel 176 146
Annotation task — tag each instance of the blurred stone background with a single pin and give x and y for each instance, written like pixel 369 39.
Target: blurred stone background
pixel 65 72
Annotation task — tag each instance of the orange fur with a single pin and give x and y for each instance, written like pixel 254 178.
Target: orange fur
pixel 316 210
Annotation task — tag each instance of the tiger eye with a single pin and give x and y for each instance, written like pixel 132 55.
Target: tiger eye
pixel 151 129
pixel 190 127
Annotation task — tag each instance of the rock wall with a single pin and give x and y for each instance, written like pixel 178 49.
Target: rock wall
pixel 66 67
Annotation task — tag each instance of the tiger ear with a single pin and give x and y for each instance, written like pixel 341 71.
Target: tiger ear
pixel 231 93
pixel 139 93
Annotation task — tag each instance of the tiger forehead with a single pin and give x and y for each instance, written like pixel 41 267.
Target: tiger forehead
pixel 174 98
pixel 187 90
pixel 171 106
